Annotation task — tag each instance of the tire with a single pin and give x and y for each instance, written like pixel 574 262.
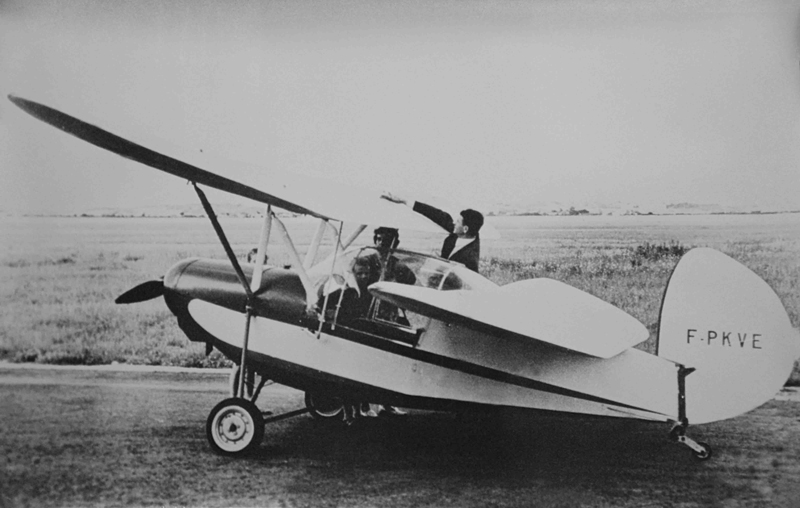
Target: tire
pixel 235 427
pixel 325 407
pixel 703 456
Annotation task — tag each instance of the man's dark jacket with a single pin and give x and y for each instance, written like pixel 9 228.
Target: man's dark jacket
pixel 469 255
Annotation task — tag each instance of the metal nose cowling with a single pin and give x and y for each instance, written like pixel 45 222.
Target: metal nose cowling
pixel 143 292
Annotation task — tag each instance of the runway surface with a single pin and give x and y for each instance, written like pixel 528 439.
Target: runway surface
pixel 121 435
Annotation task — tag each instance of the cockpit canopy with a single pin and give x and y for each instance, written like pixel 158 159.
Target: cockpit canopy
pixel 341 299
pixel 404 267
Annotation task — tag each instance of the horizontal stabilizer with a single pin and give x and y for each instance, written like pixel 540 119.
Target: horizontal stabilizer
pixel 539 309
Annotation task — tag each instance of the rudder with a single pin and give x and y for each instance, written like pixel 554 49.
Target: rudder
pixel 722 319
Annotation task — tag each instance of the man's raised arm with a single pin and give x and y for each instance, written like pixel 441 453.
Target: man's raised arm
pixel 440 217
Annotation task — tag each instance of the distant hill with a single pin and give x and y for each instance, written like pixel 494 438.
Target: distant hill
pixel 503 209
pixel 177 210
pixel 621 208
pixel 180 210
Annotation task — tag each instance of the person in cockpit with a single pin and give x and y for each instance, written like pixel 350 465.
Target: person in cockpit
pixel 349 303
pixel 392 270
pixel 386 240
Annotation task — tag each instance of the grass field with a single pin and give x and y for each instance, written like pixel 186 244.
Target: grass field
pixel 60 275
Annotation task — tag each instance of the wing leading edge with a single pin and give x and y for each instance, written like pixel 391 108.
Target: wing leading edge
pixel 299 194
pixel 130 150
pixel 539 309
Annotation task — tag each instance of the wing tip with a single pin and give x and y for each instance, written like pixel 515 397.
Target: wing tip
pixel 25 105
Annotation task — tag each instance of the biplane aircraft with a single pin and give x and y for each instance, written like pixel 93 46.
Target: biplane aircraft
pixel 434 335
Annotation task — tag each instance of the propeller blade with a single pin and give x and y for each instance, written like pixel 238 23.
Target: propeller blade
pixel 143 292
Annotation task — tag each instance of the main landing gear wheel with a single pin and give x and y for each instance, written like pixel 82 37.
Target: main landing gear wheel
pixel 325 407
pixel 235 427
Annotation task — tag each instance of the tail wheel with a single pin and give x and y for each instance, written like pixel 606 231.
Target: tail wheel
pixel 235 427
pixel 705 454
pixel 325 407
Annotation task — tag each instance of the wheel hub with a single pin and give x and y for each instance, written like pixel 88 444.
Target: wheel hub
pixel 232 426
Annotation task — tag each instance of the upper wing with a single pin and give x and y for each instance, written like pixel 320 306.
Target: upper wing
pixel 294 193
pixel 540 309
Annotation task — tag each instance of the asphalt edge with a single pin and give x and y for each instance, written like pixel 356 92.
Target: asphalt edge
pixel 117 367
pixel 787 393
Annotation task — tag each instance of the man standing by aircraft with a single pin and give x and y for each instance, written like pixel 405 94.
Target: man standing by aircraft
pixel 463 244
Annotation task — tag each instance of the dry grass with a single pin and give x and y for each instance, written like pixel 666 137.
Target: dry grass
pixel 59 277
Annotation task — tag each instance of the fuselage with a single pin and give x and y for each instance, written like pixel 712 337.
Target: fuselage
pixel 427 364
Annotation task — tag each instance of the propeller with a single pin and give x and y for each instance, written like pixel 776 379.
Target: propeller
pixel 143 292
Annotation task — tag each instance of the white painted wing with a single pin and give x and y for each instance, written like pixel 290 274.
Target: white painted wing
pixel 540 309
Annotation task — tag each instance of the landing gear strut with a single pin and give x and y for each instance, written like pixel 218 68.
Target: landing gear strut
pixel 700 450
pixel 253 383
pixel 235 425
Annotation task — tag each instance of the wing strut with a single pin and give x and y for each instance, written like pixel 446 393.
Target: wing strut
pixel 311 253
pixel 261 252
pixel 225 244
pixel 301 271
pixel 240 274
pixel 350 239
pixel 330 277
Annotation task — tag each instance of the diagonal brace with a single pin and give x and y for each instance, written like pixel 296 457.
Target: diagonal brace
pixel 225 244
pixel 249 307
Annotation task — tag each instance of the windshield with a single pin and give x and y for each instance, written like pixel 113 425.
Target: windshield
pixel 404 267
pixel 343 296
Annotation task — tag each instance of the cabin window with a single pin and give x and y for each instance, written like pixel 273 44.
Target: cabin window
pixel 343 294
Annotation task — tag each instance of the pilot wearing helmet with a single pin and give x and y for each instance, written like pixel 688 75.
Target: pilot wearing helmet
pixel 392 270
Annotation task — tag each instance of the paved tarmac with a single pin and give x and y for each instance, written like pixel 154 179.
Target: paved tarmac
pixel 132 435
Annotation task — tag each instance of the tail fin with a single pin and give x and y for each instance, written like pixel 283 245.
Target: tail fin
pixel 722 319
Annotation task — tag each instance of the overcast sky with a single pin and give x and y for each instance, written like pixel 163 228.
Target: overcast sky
pixel 574 101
